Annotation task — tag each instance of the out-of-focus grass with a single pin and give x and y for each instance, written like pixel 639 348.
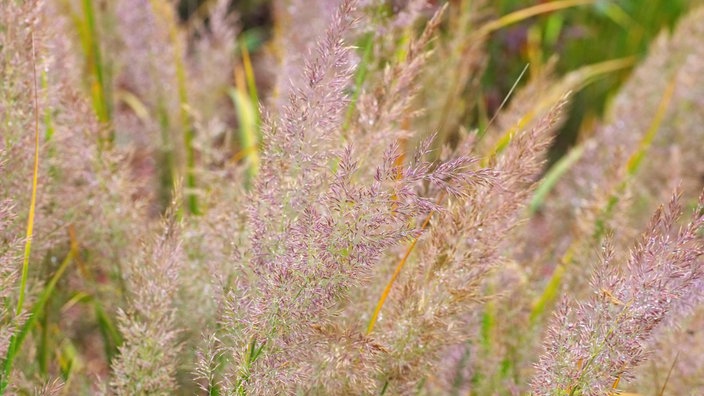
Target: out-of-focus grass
pixel 33 199
pixel 35 314
pixel 246 99
pixel 96 69
pixel 595 33
pixel 632 165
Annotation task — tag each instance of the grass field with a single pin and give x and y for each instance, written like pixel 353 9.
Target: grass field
pixel 333 197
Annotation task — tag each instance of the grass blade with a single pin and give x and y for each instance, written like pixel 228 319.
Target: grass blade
pixel 552 176
pixel 98 88
pixel 35 314
pixel 389 285
pixel 35 178
pixel 529 12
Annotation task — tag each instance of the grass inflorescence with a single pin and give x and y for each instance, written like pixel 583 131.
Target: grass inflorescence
pixel 351 197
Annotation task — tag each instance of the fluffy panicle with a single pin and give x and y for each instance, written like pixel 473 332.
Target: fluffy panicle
pixel 50 388
pixel 145 60
pixel 297 147
pixel 460 60
pixel 148 358
pixel 384 111
pixel 20 49
pixel 211 60
pixel 594 343
pixel 296 154
pixel 208 364
pixel 318 232
pixel 675 155
pixel 294 43
pixel 429 310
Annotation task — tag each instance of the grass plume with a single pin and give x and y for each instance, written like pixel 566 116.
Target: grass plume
pixel 350 197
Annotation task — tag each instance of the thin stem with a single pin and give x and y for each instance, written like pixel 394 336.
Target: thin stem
pixel 397 271
pixel 35 176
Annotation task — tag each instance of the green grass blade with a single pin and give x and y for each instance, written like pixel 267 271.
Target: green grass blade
pixel 550 294
pixel 36 313
pixel 112 338
pixel 247 116
pixel 96 67
pixel 552 177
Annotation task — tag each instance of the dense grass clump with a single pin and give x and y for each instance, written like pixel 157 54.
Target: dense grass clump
pixel 351 197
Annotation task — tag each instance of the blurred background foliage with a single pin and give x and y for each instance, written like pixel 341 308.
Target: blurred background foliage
pixel 572 37
pixel 576 37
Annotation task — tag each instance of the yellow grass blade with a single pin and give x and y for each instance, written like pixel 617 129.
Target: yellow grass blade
pixel 248 118
pixel 135 104
pixel 397 271
pixel 529 12
pixel 249 74
pixel 35 177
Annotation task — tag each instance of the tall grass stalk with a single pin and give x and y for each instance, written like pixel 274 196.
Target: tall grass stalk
pixel 35 179
pixel 392 280
pixel 100 92
pixel 184 109
pixel 186 124
pixel 245 100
